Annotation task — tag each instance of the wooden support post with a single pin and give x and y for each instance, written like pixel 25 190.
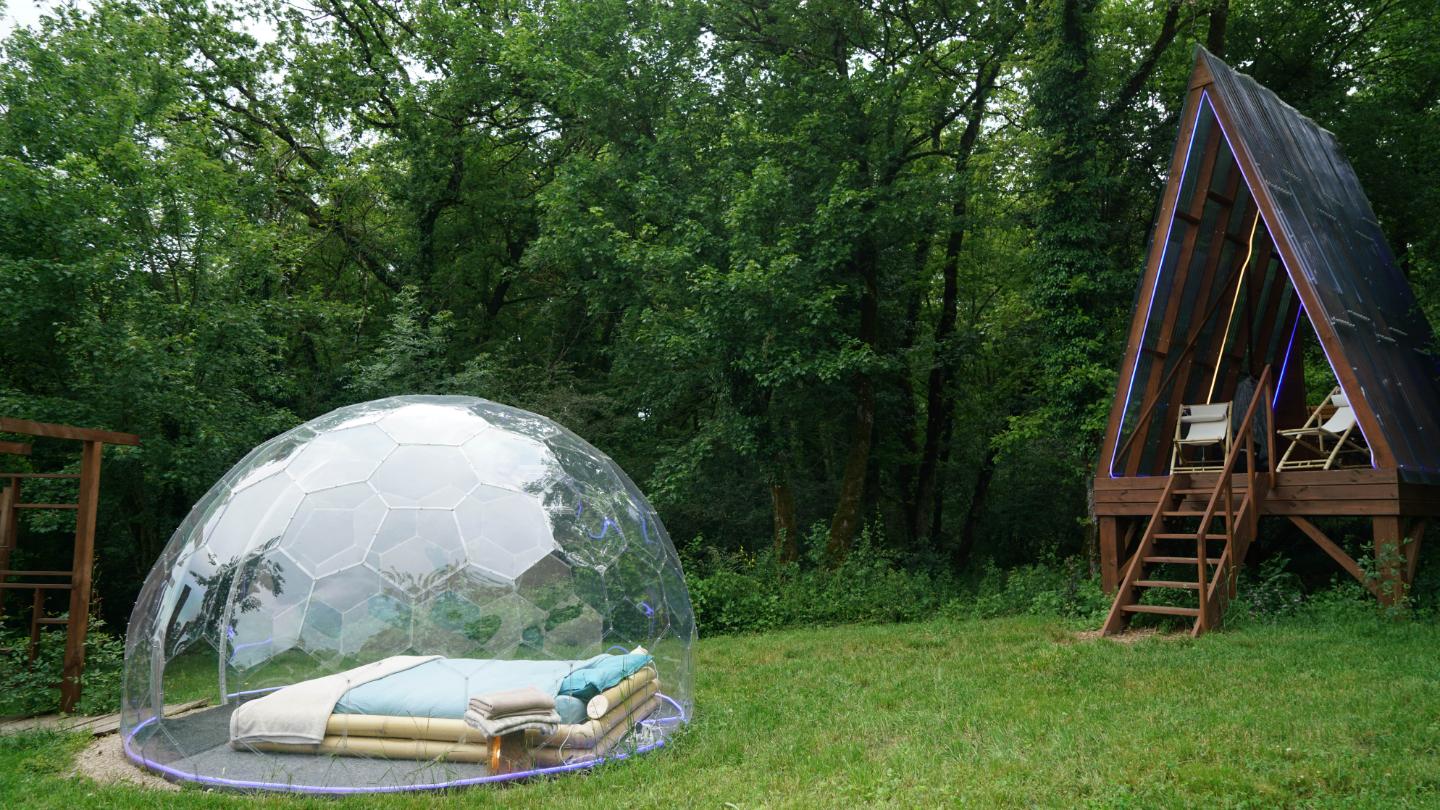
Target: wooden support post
pixel 80 573
pixel 37 612
pixel 1389 559
pixel 1412 549
pixel 1109 553
pixel 9 527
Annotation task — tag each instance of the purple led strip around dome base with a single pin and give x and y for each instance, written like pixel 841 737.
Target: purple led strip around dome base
pixel 175 773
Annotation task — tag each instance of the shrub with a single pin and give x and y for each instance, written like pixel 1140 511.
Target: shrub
pixel 31 689
pixel 755 593
pixel 1053 588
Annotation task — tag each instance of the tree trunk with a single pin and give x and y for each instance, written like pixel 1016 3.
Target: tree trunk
pixel 977 502
pixel 1215 36
pixel 849 510
pixel 782 500
pixel 939 404
pixel 906 417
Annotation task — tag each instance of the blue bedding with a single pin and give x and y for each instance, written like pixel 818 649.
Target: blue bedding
pixel 443 687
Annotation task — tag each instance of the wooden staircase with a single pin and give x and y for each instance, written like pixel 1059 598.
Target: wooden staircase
pixel 1198 535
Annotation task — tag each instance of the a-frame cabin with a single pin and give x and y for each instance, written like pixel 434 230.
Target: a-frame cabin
pixel 1264 244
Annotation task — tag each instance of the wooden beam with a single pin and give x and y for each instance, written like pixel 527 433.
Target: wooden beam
pixel 15 448
pixel 1389 558
pixel 1200 78
pixel 1336 553
pixel 1183 261
pixel 1412 548
pixel 80 578
pixel 46 430
pixel 7 533
pixel 1109 553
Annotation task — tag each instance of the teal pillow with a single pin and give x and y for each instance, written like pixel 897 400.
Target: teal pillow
pixel 601 674
pixel 570 709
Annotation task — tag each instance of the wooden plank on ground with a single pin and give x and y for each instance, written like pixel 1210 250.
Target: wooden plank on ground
pixel 98 726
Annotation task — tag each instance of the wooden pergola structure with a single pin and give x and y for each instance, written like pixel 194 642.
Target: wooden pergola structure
pixel 75 581
pixel 1264 243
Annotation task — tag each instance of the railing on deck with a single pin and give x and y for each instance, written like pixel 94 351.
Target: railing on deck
pixel 1214 598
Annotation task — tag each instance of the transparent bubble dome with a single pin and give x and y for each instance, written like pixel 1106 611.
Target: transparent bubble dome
pixel 447 526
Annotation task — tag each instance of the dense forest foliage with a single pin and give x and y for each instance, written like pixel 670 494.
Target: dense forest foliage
pixel 817 273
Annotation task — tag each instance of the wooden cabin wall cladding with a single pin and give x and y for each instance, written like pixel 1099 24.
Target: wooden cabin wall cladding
pixel 1264 243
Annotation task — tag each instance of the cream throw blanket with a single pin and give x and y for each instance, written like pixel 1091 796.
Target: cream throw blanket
pixel 297 714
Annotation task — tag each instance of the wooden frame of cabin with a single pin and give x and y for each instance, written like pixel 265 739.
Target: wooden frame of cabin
pixel 1263 216
pixel 76 582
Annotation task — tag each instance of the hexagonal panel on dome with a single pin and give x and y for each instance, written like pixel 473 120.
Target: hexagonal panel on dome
pixel 333 529
pixel 266 615
pixel 432 421
pixel 268 458
pixel 511 461
pixel 432 526
pixel 514 420
pixel 253 516
pixel 347 456
pixel 454 623
pixel 424 475
pixel 381 623
pixel 504 531
pixel 417 548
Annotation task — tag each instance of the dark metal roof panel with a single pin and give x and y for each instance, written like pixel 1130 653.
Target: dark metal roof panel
pixel 1329 223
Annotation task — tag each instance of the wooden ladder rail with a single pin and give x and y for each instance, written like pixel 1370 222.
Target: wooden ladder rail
pixel 1115 620
pixel 1214 598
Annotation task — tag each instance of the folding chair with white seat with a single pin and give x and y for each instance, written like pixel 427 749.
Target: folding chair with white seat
pixel 1201 427
pixel 1329 441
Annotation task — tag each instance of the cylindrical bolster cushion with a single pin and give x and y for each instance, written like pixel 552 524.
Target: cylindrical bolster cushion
pixel 587 735
pixel 551 757
pixel 381 748
pixel 392 727
pixel 601 704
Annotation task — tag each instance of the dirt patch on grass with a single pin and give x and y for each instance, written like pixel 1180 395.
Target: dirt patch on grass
pixel 1127 637
pixel 104 761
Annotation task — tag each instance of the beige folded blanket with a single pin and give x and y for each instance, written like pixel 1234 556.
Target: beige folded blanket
pixel 297 714
pixel 545 722
pixel 525 700
pixel 589 735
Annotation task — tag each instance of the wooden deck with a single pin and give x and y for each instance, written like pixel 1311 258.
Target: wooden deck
pixel 1399 511
pixel 1366 493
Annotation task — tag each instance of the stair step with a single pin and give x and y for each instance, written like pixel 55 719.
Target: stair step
pixel 1237 491
pixel 1167 610
pixel 1184 513
pixel 1181 560
pixel 1188 536
pixel 1166 583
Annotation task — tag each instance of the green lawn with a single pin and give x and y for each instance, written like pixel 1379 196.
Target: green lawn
pixel 1005 712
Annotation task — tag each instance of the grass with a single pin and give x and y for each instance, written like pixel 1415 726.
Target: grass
pixel 987 713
